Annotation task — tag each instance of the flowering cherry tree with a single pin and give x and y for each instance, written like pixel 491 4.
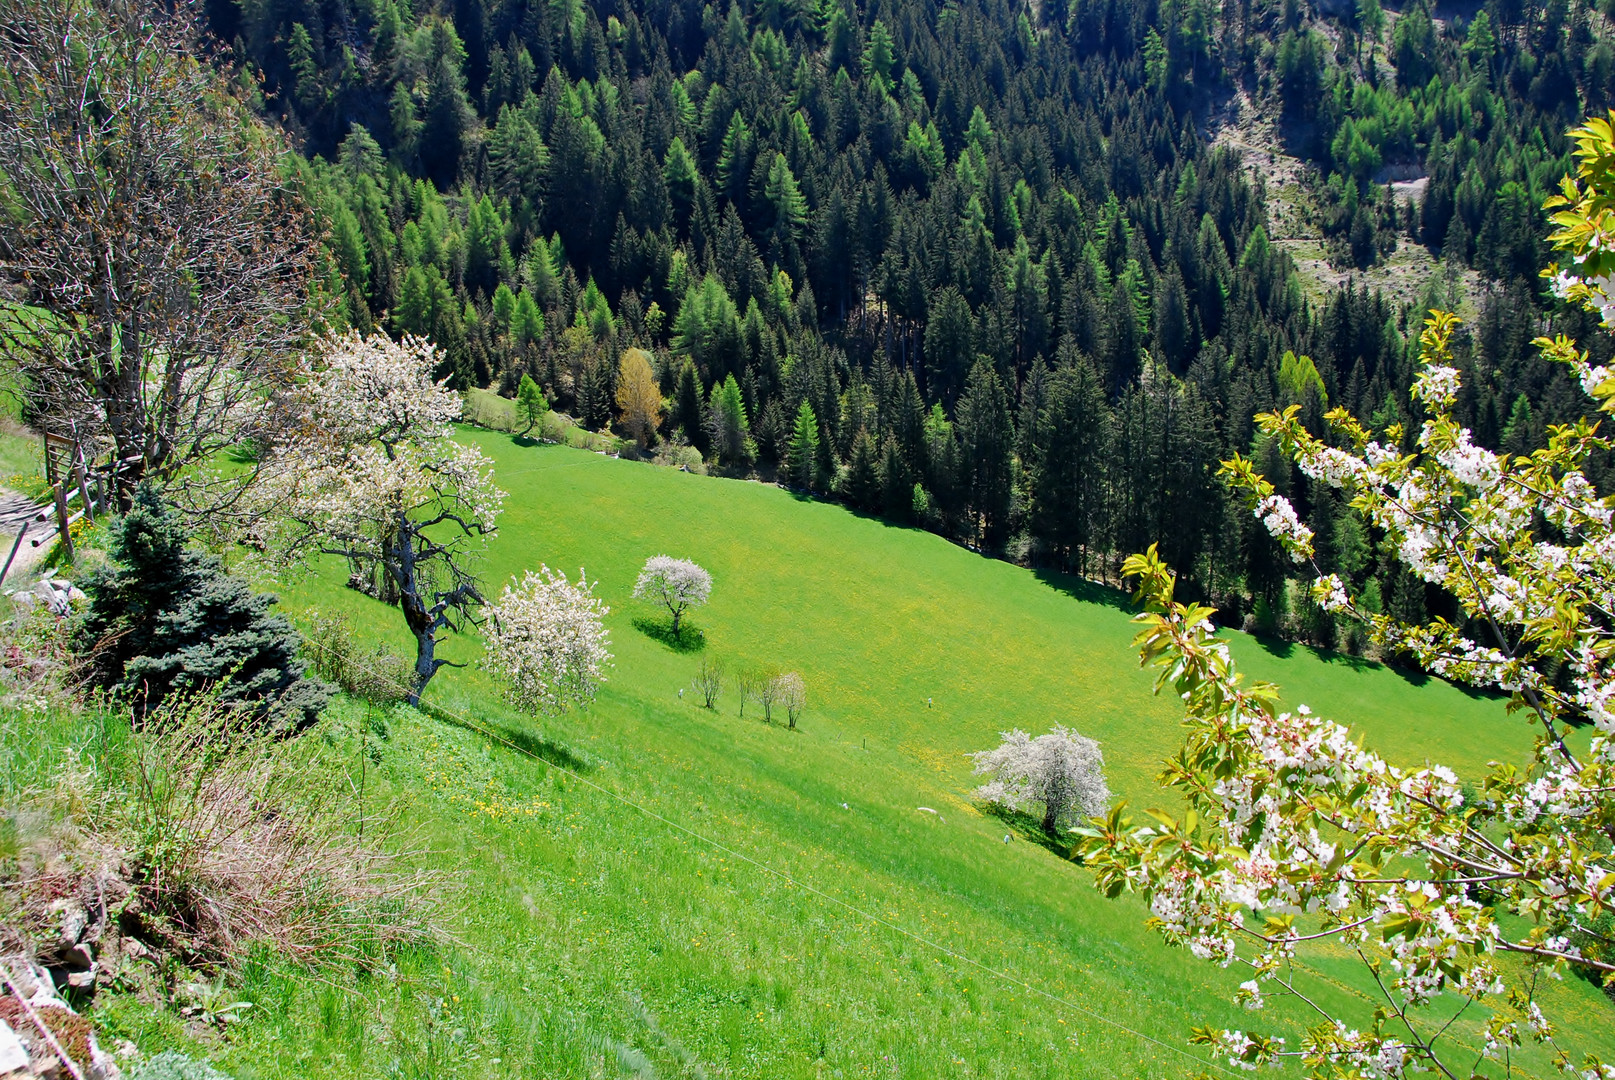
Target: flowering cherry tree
pixel 547 641
pixel 1294 835
pixel 1061 773
pixel 370 473
pixel 676 584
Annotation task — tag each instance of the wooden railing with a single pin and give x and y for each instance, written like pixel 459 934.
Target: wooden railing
pixel 71 479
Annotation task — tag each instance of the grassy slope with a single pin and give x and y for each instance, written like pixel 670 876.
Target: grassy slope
pixel 599 941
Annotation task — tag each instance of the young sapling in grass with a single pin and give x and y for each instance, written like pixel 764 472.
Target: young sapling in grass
pixel 768 691
pixel 746 685
pixel 791 693
pixel 709 682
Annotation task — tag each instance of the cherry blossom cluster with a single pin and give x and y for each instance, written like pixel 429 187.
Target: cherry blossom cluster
pixel 374 389
pixel 547 642
pixel 1293 834
pixel 371 460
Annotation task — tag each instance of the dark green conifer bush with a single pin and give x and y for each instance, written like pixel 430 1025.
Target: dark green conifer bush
pixel 166 618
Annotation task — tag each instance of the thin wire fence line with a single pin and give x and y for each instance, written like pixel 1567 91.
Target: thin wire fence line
pixel 808 887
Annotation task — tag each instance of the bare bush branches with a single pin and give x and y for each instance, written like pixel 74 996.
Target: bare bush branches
pixel 245 839
pixel 158 263
pixel 209 838
pixel 709 682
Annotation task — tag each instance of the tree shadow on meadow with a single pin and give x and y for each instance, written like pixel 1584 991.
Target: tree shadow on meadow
pixel 520 739
pixel 1029 828
pixel 689 639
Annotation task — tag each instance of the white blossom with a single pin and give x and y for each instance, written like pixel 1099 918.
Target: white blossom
pixel 1279 518
pixel 368 472
pixel 547 642
pixel 676 584
pixel 1060 773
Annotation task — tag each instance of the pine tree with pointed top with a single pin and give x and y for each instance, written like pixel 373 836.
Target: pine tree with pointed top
pixel 802 449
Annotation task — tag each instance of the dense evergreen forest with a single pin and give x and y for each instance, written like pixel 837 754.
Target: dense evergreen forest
pixel 974 265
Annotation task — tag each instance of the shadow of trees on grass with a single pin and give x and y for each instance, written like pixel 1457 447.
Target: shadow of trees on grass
pixel 525 741
pixel 1030 828
pixel 689 639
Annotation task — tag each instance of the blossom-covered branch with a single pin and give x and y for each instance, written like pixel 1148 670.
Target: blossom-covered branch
pixel 1292 833
pixel 370 473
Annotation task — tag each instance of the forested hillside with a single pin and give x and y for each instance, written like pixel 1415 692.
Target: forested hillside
pixel 973 265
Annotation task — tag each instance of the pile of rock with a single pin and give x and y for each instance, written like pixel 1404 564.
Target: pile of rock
pixel 56 594
pixel 40 1035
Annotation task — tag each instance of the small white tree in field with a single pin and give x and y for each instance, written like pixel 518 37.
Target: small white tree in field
pixel 791 694
pixel 547 642
pixel 1063 773
pixel 676 584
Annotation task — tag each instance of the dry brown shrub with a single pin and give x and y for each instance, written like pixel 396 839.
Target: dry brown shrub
pixel 236 838
pixel 198 839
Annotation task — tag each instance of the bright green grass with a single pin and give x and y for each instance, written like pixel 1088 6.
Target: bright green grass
pixel 595 940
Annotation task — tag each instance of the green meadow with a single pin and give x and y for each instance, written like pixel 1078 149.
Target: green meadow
pixel 650 888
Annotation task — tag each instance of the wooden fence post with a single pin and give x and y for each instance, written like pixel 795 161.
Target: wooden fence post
pixel 84 486
pixel 61 519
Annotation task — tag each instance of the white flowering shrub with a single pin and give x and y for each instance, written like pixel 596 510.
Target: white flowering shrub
pixel 547 641
pixel 369 472
pixel 1060 775
pixel 1294 836
pixel 676 584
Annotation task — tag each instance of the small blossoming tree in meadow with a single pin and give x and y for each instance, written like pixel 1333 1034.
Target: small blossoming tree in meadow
pixel 369 472
pixel 547 641
pixel 1060 774
pixel 1293 835
pixel 676 584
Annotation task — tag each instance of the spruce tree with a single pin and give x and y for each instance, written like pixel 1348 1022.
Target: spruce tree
pixel 897 483
pixel 861 485
pixel 687 411
pixel 987 437
pixel 165 618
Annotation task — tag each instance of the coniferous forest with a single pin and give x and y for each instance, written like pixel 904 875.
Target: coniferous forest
pixel 977 266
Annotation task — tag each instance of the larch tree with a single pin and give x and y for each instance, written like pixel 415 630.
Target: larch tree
pixel 1293 835
pixel 727 424
pixel 530 403
pixel 161 263
pixel 370 473
pixel 639 396
pixel 802 449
